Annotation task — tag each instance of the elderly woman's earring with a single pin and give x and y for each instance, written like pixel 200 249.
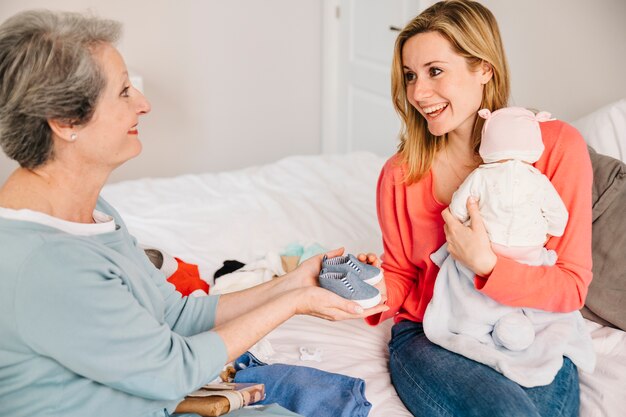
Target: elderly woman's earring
pixel 73 137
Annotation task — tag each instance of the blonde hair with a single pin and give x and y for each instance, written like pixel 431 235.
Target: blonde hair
pixel 473 33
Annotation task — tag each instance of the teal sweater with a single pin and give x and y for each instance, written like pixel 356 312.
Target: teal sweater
pixel 89 327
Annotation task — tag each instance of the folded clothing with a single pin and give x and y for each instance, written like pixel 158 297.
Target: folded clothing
pixel 250 274
pixel 230 265
pixel 303 390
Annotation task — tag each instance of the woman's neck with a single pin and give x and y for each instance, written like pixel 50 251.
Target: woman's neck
pixel 462 134
pixel 452 164
pixel 53 190
pixel 459 148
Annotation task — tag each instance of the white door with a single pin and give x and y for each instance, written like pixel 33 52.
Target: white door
pixel 359 41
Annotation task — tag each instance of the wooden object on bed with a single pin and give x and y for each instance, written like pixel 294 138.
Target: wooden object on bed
pixel 212 400
pixel 289 262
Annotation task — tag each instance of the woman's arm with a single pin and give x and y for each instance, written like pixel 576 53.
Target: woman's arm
pixel 242 332
pixel 80 313
pixel 72 305
pixel 399 271
pixel 233 305
pixel 244 317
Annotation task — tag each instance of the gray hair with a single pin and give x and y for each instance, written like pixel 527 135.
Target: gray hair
pixel 47 71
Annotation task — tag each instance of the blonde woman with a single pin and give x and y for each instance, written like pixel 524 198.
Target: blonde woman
pixel 449 62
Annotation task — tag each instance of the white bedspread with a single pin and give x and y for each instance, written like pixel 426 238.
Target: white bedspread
pixel 206 219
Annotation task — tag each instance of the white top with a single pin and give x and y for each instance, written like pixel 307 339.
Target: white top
pixel 103 222
pixel 519 204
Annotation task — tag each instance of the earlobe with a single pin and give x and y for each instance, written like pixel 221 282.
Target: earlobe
pixel 63 129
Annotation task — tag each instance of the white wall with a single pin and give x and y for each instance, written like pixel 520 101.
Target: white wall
pixel 566 56
pixel 232 83
pixel 235 83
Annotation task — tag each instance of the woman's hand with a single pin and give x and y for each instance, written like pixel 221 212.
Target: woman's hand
pixel 240 327
pixel 316 301
pixel 313 265
pixel 237 317
pixel 319 302
pixel 470 245
pixel 369 258
pixel 305 275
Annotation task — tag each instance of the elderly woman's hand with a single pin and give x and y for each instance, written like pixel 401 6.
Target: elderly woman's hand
pixel 311 267
pixel 322 303
pixel 319 302
pixel 305 275
pixel 470 245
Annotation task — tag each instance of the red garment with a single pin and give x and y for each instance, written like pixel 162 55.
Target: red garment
pixel 187 279
pixel 412 229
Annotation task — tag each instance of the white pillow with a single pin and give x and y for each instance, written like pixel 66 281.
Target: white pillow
pixel 605 129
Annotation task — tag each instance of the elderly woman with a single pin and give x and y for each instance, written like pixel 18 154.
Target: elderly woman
pixel 89 326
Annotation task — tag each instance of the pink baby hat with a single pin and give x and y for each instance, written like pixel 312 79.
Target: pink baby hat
pixel 512 133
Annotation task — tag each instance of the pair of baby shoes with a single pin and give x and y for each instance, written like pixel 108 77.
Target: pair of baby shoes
pixel 349 278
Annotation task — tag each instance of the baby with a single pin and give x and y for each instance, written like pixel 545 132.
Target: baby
pixel 519 205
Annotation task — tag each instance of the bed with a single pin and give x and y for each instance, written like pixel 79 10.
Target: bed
pixel 326 200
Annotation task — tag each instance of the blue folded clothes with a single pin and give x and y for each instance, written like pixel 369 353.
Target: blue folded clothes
pixel 304 390
pixel 304 253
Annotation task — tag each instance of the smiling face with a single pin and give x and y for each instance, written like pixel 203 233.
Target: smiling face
pixel 111 136
pixel 441 85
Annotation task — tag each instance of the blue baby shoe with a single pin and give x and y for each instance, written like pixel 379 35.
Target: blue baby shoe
pixel 349 286
pixel 367 273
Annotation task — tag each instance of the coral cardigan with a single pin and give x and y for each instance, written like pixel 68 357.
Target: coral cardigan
pixel 412 229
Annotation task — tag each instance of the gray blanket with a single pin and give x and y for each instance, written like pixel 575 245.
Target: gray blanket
pixel 463 320
pixel 606 300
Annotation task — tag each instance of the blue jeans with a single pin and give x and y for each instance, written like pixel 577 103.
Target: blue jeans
pixel 432 381
pixel 307 391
